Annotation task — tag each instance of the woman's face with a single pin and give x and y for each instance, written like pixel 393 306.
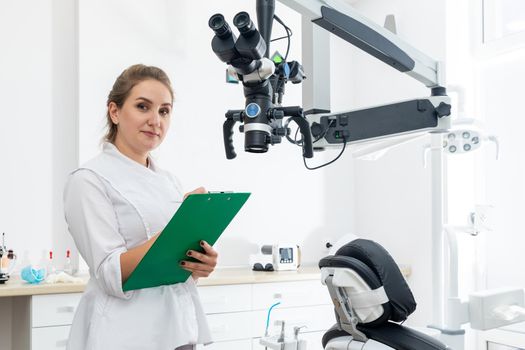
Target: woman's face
pixel 144 118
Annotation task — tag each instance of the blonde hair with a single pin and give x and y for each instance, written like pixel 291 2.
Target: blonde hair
pixel 130 77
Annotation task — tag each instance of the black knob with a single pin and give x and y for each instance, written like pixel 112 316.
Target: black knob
pixel 443 109
pixel 316 129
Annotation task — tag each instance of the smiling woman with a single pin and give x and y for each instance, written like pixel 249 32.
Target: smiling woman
pixel 115 206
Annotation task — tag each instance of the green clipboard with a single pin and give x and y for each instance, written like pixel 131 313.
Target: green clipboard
pixel 200 217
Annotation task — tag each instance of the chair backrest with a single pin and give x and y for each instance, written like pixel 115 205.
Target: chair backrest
pixel 372 280
pixel 370 294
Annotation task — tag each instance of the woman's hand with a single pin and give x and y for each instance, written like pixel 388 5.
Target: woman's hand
pixel 200 190
pixel 206 264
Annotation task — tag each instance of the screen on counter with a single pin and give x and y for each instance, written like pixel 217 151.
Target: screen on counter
pixel 286 255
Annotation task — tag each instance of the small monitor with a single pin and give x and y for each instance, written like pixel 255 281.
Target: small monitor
pixel 286 255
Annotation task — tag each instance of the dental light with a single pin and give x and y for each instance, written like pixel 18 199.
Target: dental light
pixel 465 136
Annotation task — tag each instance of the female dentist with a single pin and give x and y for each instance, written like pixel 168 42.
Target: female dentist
pixel 115 206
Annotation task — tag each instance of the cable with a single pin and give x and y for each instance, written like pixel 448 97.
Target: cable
pixel 330 162
pixel 325 131
pixel 280 83
pixel 288 35
pixel 300 142
pixel 279 38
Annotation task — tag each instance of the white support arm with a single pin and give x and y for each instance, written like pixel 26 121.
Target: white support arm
pixel 370 37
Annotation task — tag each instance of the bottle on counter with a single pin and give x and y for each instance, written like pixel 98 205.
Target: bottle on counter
pixel 68 267
pixel 51 268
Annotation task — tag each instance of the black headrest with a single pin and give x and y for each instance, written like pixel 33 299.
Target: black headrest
pixel 377 259
pixel 365 273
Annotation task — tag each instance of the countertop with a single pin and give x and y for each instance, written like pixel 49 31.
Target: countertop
pixel 221 276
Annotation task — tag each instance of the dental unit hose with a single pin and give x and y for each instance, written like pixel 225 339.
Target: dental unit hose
pixel 268 318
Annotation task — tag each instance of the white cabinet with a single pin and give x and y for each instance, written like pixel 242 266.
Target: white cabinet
pixel 290 294
pixel 49 338
pixel 51 317
pixel 237 313
pixel 53 309
pixel 42 322
pixel 230 326
pixel 220 299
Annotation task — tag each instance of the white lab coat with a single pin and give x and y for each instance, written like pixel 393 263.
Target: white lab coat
pixel 112 204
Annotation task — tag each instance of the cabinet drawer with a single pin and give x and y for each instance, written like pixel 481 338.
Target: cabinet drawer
pixel 231 326
pixel 290 294
pixel 315 318
pixel 53 309
pixel 49 338
pixel 228 345
pixel 216 299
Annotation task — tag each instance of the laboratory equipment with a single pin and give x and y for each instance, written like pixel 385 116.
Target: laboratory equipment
pixel 68 267
pixel 7 261
pixel 285 256
pixel 264 80
pixel 262 118
pixel 282 342
pixel 51 266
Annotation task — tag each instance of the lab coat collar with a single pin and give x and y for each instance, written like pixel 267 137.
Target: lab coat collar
pixel 111 149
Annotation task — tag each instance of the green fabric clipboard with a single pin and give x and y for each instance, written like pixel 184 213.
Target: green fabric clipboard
pixel 200 217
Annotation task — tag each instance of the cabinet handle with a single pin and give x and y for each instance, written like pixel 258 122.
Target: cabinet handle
pixel 61 343
pixel 66 309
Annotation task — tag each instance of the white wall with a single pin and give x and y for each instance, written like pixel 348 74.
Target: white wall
pixel 37 137
pixel 500 95
pixel 25 136
pixel 392 194
pixel 38 92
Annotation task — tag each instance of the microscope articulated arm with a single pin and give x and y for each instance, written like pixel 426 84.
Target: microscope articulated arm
pixel 321 17
pixel 262 118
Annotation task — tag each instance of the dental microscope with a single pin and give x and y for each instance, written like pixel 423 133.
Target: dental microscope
pixel 265 121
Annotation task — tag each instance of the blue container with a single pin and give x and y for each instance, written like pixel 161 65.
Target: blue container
pixel 32 275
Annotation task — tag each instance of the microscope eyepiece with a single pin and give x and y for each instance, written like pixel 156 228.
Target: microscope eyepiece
pixel 243 23
pixel 219 26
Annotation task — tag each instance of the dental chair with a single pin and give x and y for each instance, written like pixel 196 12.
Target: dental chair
pixel 371 300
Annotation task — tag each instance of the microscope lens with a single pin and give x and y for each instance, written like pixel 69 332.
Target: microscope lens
pixel 243 22
pixel 219 25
